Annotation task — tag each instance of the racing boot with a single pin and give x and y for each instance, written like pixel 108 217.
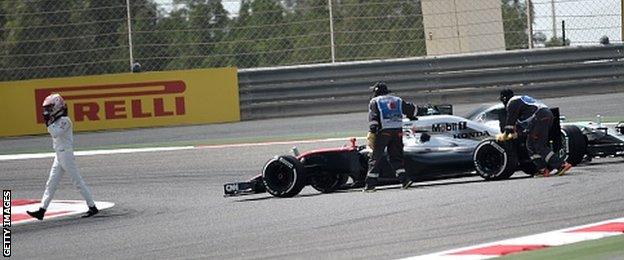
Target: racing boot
pixel 37 214
pixel 564 168
pixel 370 185
pixel 92 211
pixel 406 182
pixel 543 173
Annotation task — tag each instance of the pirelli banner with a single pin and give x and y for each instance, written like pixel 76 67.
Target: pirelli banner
pixel 124 100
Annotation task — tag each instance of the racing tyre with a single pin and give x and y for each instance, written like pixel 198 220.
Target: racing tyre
pixel 327 182
pixel 574 143
pixel 284 176
pixel 495 161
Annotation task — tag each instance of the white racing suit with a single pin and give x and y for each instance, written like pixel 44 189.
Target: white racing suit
pixel 63 144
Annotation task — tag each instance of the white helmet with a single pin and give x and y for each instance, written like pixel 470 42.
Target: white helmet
pixel 53 105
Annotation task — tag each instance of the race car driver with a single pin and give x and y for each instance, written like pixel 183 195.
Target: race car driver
pixel 531 117
pixel 385 117
pixel 60 128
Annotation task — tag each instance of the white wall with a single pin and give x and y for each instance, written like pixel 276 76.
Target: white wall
pixel 463 26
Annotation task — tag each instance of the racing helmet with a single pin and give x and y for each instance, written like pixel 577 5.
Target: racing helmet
pixel 53 105
pixel 380 88
pixel 506 95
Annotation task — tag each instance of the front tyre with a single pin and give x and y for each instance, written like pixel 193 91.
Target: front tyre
pixel 575 144
pixel 494 161
pixel 284 176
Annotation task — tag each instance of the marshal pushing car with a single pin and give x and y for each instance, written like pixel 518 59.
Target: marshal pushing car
pixel 437 145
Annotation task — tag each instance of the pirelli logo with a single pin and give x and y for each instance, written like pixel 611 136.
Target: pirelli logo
pixel 119 101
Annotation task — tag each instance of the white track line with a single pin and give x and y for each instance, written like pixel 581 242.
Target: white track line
pixel 548 239
pixel 277 143
pixel 10 157
pixel 92 152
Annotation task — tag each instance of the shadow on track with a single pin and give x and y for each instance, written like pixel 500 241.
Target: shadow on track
pixel 272 197
pixel 602 162
pixel 414 186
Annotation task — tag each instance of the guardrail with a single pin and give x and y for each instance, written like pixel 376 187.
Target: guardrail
pixel 343 87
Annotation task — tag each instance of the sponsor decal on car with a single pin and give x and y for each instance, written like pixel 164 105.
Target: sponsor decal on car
pixel 285 162
pixel 467 135
pixel 230 187
pixel 447 127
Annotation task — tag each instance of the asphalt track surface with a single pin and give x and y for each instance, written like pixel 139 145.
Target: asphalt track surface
pixel 170 204
pixel 607 105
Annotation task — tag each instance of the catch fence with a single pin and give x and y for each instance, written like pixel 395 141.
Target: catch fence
pixel 50 38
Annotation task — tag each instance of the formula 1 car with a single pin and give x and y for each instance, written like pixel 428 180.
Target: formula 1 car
pixel 580 141
pixel 437 145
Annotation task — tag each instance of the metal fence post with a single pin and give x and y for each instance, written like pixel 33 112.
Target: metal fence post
pixel 563 36
pixel 554 18
pixel 530 23
pixel 331 31
pixel 129 22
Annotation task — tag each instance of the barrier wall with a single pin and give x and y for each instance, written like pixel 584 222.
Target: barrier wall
pixel 124 100
pixel 343 87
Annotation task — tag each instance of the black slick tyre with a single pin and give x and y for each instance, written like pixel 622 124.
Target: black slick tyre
pixel 575 144
pixel 494 161
pixel 284 176
pixel 327 182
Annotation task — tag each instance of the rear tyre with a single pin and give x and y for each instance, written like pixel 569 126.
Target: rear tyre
pixel 574 143
pixel 327 182
pixel 495 161
pixel 284 176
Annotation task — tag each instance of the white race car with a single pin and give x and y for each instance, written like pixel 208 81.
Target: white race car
pixel 437 145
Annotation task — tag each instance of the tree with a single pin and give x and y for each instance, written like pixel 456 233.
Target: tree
pixel 257 36
pixel 379 29
pixel 354 22
pixel 557 42
pixel 50 38
pixel 148 40
pixel 407 32
pixel 310 32
pixel 175 27
pixel 37 39
pixel 239 38
pixel 515 24
pixel 268 28
pixel 217 24
pixel 105 35
pixel 3 20
pixel 3 34
pixel 207 25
